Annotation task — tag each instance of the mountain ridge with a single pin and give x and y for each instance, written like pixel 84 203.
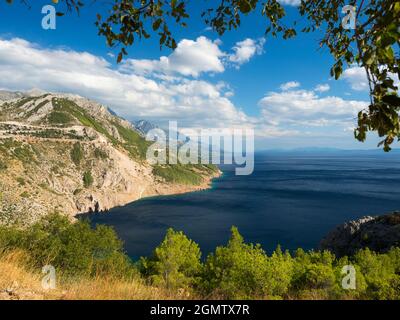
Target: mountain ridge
pixel 66 153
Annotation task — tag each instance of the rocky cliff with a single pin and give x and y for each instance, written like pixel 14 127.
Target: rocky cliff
pixel 376 233
pixel 65 153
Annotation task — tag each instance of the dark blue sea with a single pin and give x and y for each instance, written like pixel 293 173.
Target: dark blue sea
pixel 291 199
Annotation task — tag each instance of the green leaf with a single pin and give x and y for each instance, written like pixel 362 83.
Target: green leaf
pixel 119 59
pixel 157 24
pixel 244 6
pixel 162 39
pixel 392 100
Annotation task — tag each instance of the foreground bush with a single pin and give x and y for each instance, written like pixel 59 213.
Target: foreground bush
pixel 237 271
pixel 74 248
pixel 95 265
pixel 381 273
pixel 175 263
pixel 244 271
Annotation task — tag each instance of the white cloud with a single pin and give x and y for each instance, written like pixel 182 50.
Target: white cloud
pixel 268 131
pixel 245 50
pixel 290 85
pixel 357 78
pixel 195 57
pixel 190 58
pixel 24 65
pixel 306 113
pixel 293 3
pixel 301 105
pixel 322 88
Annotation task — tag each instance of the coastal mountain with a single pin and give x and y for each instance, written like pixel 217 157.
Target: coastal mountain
pixel 66 153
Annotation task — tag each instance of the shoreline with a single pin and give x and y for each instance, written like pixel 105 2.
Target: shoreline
pixel 207 184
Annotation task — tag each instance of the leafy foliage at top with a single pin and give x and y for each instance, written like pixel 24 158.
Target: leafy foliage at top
pixel 373 45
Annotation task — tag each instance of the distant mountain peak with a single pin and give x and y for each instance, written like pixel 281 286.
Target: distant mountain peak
pixel 34 92
pixel 144 126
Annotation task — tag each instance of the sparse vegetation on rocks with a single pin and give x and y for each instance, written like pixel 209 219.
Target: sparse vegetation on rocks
pixel 87 179
pixel 77 154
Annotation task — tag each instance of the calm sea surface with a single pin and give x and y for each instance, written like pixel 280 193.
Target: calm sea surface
pixel 290 199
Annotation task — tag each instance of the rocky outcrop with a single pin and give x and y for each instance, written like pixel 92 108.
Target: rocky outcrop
pixel 376 233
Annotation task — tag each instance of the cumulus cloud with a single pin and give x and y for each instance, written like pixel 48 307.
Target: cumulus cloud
pixel 190 58
pixel 24 65
pixel 322 88
pixel 358 81
pixel 301 106
pixel 195 57
pixel 357 78
pixel 289 85
pixel 306 112
pixel 245 50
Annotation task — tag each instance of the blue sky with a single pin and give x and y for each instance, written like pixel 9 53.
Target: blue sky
pixel 280 88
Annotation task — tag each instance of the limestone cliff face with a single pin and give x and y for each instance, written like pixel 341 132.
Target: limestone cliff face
pixel 376 233
pixel 68 154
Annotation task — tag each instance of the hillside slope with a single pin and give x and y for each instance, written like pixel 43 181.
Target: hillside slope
pixel 65 153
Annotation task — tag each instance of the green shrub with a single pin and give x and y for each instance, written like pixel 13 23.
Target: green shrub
pixel 77 191
pixel 178 174
pixel 23 153
pixel 3 165
pixel 74 249
pixel 87 179
pixel 59 118
pixel 175 262
pixel 100 154
pixel 278 275
pixel 24 194
pixel 237 271
pixel 135 144
pixel 381 273
pixel 21 181
pixel 314 275
pixel 77 153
